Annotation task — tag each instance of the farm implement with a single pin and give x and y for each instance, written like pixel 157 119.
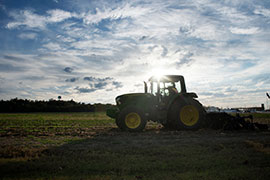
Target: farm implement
pixel 167 101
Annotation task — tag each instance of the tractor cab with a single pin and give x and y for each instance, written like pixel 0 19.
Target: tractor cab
pixel 165 86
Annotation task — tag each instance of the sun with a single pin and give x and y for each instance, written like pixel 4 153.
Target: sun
pixel 158 72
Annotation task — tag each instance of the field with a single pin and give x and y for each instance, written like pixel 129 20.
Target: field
pixel 90 146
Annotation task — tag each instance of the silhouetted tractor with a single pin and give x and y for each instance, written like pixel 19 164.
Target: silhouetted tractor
pixel 165 101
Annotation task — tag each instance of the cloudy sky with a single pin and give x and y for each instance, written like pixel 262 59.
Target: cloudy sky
pixel 91 51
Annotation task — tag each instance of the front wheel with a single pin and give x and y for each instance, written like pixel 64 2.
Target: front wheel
pixel 131 119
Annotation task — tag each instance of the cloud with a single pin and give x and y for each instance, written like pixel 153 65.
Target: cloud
pixel 68 69
pixel 185 30
pixel 2 7
pixel 124 11
pixel 72 79
pixel 26 18
pixel 89 79
pixel 214 94
pixel 94 79
pixel 85 90
pixel 27 35
pixel 185 58
pixel 9 68
pixel 58 15
pixel 143 38
pixel 164 52
pixel 230 90
pixel 13 58
pixel 262 11
pixel 262 79
pixel 253 30
pixel 30 19
pixel 117 84
pixel 116 44
pixel 100 85
pixel 96 84
pixel 52 46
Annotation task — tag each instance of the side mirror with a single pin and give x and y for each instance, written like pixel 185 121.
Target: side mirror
pixel 145 87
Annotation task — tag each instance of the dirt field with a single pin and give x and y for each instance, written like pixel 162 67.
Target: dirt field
pixel 89 146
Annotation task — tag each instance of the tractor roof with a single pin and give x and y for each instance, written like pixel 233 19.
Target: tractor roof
pixel 166 78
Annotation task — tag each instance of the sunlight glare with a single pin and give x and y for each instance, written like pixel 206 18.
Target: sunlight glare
pixel 158 72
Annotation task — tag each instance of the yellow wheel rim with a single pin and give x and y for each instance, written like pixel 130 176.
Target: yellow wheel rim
pixel 133 120
pixel 189 115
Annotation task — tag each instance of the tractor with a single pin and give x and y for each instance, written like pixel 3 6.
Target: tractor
pixel 165 101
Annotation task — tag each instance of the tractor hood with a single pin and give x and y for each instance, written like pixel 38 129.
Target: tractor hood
pixel 132 97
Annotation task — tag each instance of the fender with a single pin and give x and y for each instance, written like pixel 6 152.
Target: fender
pixel 182 97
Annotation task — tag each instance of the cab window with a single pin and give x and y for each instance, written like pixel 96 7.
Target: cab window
pixel 164 88
pixel 154 88
pixel 178 86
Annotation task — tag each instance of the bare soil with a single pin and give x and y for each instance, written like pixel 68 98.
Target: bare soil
pixel 108 153
pixel 90 146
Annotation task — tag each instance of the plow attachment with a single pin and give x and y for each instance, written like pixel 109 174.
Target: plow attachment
pixel 226 121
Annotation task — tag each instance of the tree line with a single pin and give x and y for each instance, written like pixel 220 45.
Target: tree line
pixel 25 105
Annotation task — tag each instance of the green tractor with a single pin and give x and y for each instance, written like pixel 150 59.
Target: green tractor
pixel 165 101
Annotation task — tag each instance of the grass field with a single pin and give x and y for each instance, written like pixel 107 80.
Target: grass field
pixel 89 146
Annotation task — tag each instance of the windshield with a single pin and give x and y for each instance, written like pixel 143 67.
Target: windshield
pixel 165 88
pixel 154 88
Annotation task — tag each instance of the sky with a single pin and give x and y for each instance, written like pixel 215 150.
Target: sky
pixel 91 51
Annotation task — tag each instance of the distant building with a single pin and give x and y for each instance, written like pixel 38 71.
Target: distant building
pixel 235 110
pixel 212 109
pixel 252 109
pixel 232 110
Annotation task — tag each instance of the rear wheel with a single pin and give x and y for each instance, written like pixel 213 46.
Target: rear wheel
pixel 131 119
pixel 187 116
